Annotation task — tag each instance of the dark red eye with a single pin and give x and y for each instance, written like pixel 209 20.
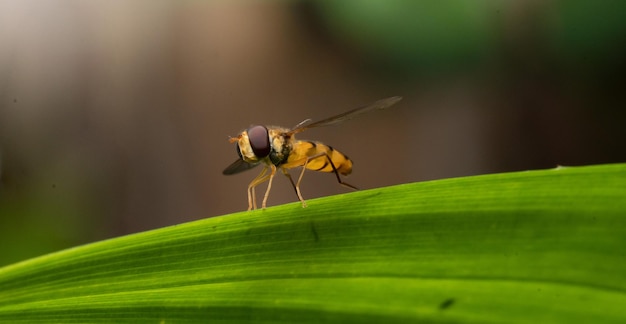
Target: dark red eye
pixel 259 141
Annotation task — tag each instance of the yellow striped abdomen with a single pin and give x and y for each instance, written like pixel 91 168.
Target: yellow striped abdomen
pixel 319 154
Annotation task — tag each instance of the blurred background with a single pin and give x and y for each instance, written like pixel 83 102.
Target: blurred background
pixel 115 115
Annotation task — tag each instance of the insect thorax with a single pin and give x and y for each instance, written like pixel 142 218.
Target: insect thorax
pixel 281 142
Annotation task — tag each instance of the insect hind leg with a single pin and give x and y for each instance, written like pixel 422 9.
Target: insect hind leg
pixel 296 185
pixel 330 161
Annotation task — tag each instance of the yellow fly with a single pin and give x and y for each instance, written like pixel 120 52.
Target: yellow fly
pixel 276 147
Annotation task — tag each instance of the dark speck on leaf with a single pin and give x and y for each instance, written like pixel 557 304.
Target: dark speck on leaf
pixel 446 303
pixel 314 231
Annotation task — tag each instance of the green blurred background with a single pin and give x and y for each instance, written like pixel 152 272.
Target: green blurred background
pixel 115 115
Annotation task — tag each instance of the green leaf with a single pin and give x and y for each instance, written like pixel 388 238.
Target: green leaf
pixel 546 246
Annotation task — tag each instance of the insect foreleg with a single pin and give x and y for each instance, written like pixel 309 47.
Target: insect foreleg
pixel 262 177
pixel 269 185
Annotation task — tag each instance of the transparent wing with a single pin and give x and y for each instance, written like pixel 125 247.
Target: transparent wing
pixel 378 105
pixel 238 166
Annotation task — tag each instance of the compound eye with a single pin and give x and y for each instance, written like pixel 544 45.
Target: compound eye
pixel 259 141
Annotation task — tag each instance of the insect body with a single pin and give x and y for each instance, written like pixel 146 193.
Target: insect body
pixel 276 147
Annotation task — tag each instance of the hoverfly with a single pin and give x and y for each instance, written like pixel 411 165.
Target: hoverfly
pixel 276 147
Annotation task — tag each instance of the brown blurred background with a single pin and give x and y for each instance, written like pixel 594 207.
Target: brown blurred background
pixel 115 115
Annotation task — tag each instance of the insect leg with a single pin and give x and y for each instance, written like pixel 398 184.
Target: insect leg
pixel 330 161
pixel 269 185
pixel 293 184
pixel 295 187
pixel 262 177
